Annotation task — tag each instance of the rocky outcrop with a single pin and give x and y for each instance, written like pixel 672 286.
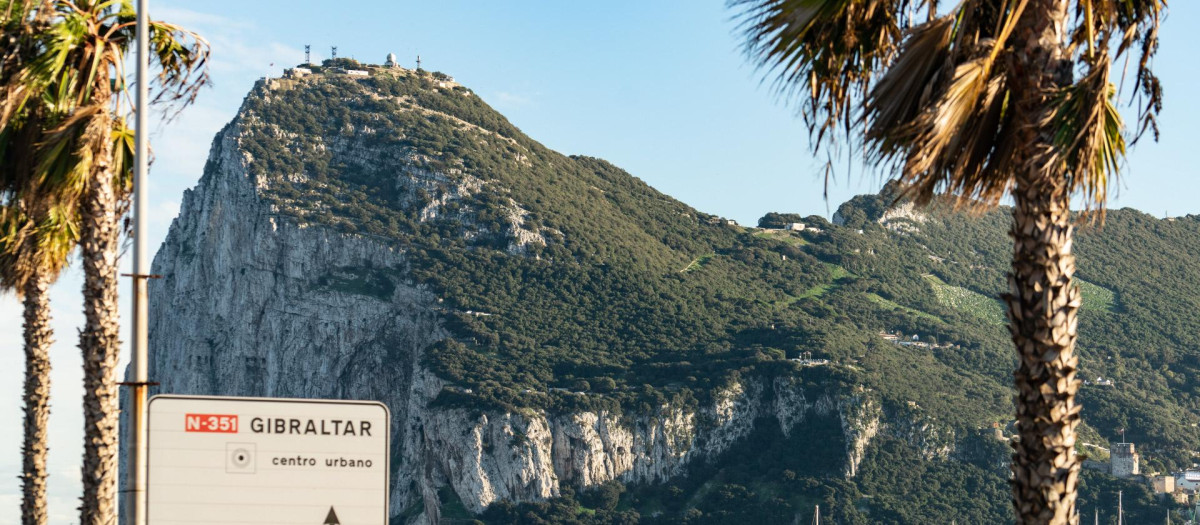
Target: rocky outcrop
pixel 903 218
pixel 263 306
pixel 860 419
pixel 253 303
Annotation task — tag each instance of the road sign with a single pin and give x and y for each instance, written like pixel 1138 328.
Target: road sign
pixel 279 461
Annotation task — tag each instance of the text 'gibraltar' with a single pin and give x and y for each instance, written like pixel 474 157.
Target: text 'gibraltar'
pixel 254 460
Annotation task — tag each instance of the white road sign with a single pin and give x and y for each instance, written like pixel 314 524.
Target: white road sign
pixel 279 461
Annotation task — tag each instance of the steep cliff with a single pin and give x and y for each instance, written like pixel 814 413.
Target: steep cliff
pixel 263 297
pixel 536 321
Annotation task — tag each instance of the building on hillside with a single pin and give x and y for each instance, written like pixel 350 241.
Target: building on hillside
pixel 1163 484
pixel 357 73
pixel 806 359
pixel 1124 461
pixel 1187 480
pixel 794 226
pixel 297 72
pixel 998 432
pixel 391 61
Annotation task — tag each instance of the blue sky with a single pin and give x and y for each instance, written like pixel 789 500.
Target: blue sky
pixel 658 88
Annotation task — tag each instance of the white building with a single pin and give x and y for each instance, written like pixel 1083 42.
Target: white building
pixel 1187 480
pixel 794 226
pixel 357 73
pixel 391 61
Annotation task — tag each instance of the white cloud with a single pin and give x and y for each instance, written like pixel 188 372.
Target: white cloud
pixel 507 100
pixel 234 48
pixel 193 19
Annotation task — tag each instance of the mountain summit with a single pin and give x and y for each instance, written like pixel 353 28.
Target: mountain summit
pixel 554 336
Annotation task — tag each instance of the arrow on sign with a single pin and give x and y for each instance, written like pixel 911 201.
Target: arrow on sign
pixel 331 518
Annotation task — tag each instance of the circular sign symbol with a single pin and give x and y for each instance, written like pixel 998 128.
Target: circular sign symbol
pixel 240 457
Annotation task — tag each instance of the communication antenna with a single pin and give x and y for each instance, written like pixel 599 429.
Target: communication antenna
pixel 333 54
pixel 418 62
pixel 307 60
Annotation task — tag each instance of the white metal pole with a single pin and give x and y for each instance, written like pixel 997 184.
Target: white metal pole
pixel 141 270
pixel 1120 508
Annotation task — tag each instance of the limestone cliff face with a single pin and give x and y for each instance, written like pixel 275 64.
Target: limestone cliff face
pixel 253 303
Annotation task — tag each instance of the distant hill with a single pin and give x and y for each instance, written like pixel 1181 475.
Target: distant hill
pixel 557 339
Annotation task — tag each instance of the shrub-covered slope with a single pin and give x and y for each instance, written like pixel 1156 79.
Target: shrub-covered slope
pixel 568 284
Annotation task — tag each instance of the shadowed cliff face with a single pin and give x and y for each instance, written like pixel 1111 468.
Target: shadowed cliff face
pixel 258 302
pixel 254 305
pixel 536 321
pixel 533 320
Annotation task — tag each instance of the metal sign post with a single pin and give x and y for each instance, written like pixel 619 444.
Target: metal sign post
pixel 141 269
pixel 253 460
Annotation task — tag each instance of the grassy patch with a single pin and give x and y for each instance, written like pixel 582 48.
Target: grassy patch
pixel 697 263
pixel 1096 297
pixel 782 236
pixel 837 272
pixel 892 305
pixel 969 301
pixel 814 292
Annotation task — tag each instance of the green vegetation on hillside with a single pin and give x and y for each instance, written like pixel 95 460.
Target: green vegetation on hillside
pixel 635 300
pixel 967 300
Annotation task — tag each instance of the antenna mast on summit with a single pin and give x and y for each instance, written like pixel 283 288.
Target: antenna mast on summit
pixel 333 52
pixel 307 59
pixel 418 62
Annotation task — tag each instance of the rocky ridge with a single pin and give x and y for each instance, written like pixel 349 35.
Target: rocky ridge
pixel 263 305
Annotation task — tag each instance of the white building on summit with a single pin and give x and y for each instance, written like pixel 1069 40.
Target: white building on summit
pixel 391 61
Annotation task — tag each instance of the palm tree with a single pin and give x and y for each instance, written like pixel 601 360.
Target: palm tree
pixel 32 254
pixel 36 237
pixel 988 99
pixel 83 161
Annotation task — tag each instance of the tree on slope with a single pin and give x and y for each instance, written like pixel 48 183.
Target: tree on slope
pixel 991 98
pixel 82 162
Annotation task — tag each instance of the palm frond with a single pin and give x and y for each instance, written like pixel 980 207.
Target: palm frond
pixel 940 109
pixel 182 57
pixel 908 87
pixel 32 244
pixel 15 230
pixel 827 50
pixel 1087 132
pixel 952 150
pixel 1133 26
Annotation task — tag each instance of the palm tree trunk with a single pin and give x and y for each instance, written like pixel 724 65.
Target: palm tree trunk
pixel 99 341
pixel 38 337
pixel 1043 301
